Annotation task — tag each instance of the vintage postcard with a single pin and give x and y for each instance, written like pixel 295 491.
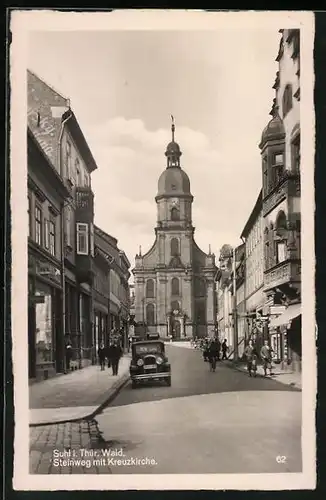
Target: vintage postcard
pixel 162 196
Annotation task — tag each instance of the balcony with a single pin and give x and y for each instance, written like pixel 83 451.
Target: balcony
pixel 288 271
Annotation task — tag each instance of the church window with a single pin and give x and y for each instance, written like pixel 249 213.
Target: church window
pixel 287 99
pixel 150 314
pixel 175 286
pixel 175 251
pixel 175 215
pixel 175 306
pixel 150 288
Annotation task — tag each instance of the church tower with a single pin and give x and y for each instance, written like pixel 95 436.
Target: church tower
pixel 174 280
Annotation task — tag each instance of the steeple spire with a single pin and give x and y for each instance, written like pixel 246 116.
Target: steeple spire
pixel 172 127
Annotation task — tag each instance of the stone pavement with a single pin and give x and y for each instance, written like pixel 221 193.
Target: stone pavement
pixel 76 395
pixel 70 448
pixel 285 377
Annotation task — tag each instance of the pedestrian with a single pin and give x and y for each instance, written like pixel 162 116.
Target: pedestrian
pixel 114 355
pixel 224 349
pixel 68 354
pixel 266 355
pixel 102 355
pixel 213 353
pixel 205 350
pixel 218 346
pixel 251 355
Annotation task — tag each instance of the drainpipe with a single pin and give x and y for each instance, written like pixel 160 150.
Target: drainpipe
pixel 62 235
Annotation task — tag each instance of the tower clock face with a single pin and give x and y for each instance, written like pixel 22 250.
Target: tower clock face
pixel 175 202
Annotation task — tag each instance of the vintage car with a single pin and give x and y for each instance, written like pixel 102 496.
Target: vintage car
pixel 149 362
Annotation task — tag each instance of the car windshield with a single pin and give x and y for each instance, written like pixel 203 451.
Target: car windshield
pixel 148 348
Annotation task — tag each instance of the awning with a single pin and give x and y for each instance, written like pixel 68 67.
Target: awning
pixel 293 311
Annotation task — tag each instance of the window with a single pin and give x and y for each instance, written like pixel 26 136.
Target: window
pixel 175 215
pixel 175 247
pixel 86 180
pixel 38 225
pixel 287 100
pixel 82 238
pixel 68 160
pixel 29 211
pixel 150 314
pixel 46 234
pixel 175 286
pixel 68 226
pixel 280 251
pixel 175 306
pixel 150 288
pixel 78 172
pixel 92 239
pixel 278 167
pixel 52 237
pixel 295 146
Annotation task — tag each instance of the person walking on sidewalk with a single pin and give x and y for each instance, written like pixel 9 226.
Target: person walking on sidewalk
pixel 114 355
pixel 102 355
pixel 266 355
pixel 68 354
pixel 224 349
pixel 251 355
pixel 213 354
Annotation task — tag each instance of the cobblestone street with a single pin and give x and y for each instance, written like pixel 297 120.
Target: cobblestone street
pixel 46 442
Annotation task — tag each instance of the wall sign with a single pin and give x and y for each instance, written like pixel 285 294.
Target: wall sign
pixel 48 270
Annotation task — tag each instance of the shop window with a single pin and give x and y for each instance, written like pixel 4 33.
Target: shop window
pixel 38 225
pixel 175 247
pixel 175 286
pixel 44 328
pixel 295 147
pixel 175 214
pixel 82 238
pixel 287 100
pixel 150 288
pixel 150 314
pixel 52 237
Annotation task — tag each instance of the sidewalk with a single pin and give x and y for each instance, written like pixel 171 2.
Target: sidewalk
pixel 284 377
pixel 75 396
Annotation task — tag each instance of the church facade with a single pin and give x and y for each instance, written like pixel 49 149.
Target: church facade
pixel 175 280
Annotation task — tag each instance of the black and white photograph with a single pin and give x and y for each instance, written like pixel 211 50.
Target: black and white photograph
pixel 162 178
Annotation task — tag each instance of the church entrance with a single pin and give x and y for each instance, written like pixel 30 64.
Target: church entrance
pixel 176 329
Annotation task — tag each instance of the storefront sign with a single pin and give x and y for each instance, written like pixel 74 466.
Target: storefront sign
pixel 276 310
pixel 48 270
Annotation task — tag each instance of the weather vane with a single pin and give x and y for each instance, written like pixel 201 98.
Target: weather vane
pixel 172 127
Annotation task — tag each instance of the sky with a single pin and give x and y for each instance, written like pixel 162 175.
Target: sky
pixel 124 85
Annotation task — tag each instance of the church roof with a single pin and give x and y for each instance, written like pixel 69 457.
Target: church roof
pixel 173 181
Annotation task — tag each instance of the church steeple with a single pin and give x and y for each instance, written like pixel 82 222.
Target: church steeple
pixel 173 152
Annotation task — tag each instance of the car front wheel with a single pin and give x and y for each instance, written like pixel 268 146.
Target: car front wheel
pixel 168 381
pixel 133 384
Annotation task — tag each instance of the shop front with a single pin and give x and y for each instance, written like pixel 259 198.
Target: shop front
pixel 285 335
pixel 45 340
pixel 100 333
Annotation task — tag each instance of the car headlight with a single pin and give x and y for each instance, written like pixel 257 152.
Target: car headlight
pixel 159 361
pixel 140 362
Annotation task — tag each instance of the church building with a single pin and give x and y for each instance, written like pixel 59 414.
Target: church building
pixel 175 279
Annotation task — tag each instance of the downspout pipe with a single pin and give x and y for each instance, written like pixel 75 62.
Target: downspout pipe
pixel 62 234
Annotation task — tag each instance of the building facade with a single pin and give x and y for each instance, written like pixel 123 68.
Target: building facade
pixel 119 274
pixel 56 132
pixel 224 295
pixel 174 280
pixel 253 234
pixel 280 152
pixel 46 197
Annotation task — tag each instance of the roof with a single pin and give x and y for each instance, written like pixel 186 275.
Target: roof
pixel 253 216
pixel 273 130
pixel 174 182
pixel 73 125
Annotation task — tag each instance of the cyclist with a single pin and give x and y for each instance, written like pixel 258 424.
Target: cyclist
pixel 213 353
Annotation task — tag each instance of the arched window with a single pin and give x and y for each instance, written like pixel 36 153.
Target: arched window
pixel 175 306
pixel 150 314
pixel 175 215
pixel 175 287
pixel 200 287
pixel 281 224
pixel 175 251
pixel 150 289
pixel 287 99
